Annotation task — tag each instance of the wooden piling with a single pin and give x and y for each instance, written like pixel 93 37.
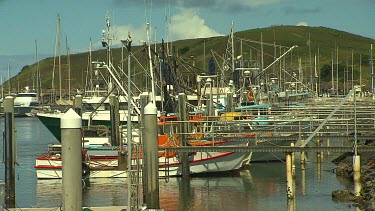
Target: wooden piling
pixel 115 120
pixel 357 175
pixel 293 162
pixel 289 175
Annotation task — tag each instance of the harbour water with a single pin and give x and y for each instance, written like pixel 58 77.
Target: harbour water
pixel 261 187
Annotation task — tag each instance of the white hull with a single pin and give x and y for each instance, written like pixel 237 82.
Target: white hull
pixel 202 162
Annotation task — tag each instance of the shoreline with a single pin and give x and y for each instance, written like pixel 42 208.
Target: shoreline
pixel 366 201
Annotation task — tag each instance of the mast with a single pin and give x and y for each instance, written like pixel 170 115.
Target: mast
pixel 68 62
pixel 345 78
pixel 261 49
pixel 319 70
pixel 91 86
pixel 68 72
pixel 232 48
pixel 337 70
pixel 150 64
pixel 300 72
pixel 280 72
pixel 311 77
pixel 332 76
pixel 2 88
pixel 204 55
pixel 108 39
pixel 9 80
pixel 316 75
pixel 59 52
pixel 371 72
pixel 352 69
pixel 360 69
pixel 38 85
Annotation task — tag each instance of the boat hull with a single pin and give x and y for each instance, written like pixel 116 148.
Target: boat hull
pixel 52 122
pixel 106 166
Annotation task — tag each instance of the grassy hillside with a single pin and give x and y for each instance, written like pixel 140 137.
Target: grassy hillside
pixel 324 43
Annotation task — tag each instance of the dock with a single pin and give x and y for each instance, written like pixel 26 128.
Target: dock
pixel 110 208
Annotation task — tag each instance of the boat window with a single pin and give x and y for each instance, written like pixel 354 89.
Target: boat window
pixel 123 106
pixel 26 95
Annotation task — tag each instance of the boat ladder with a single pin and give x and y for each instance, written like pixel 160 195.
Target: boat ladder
pixel 134 179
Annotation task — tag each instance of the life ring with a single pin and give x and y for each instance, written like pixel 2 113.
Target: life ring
pixel 250 95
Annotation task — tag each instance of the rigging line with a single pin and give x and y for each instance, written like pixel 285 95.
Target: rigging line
pixel 259 50
pixel 258 42
pixel 132 83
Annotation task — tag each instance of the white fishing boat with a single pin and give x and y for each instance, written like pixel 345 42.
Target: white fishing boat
pixel 102 159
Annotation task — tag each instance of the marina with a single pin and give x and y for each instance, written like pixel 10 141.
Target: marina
pixel 261 187
pixel 336 139
pixel 255 129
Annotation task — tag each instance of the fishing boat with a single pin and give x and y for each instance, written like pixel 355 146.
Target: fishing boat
pixel 102 117
pixel 103 159
pixel 49 165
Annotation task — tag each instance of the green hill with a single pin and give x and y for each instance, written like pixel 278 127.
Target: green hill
pixel 196 52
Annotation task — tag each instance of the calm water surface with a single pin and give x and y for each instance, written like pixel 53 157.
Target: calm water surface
pixel 261 187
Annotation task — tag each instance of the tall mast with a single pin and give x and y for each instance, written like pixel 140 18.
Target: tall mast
pixel 316 75
pixel 108 38
pixel 318 69
pixel 204 55
pixel 360 69
pixel 150 64
pixel 9 80
pixel 232 47
pixel 311 77
pixel 90 66
pixel 68 63
pixel 337 69
pixel 300 72
pixel 332 76
pixel 59 53
pixel 371 72
pixel 38 82
pixel 2 88
pixel 352 69
pixel 68 72
pixel 261 49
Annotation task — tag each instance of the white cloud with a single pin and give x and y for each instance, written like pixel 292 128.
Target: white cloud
pixel 184 25
pixel 121 33
pixel 302 24
pixel 188 24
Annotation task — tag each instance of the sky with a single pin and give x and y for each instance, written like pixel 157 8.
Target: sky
pixel 27 24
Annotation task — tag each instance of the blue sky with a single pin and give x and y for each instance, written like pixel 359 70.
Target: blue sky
pixel 24 21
